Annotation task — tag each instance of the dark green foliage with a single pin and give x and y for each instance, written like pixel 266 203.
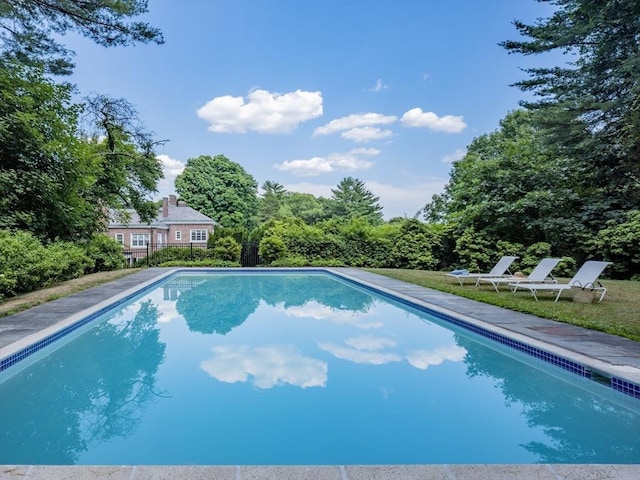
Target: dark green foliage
pixel 29 29
pixel 589 109
pixel 208 262
pixel 219 188
pixel 26 264
pixel 106 254
pixel 412 247
pixel 362 244
pixel 182 253
pixel 227 249
pixel 619 243
pixel 239 234
pixel 351 199
pixel 271 248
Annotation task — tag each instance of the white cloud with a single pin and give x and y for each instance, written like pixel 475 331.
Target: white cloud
pixel 265 112
pixel 379 86
pixel 422 359
pixel 171 168
pixel 359 356
pixel 366 134
pixel 269 366
pixel 350 161
pixel 449 123
pixel 319 311
pixel 454 157
pixel 370 343
pixel 354 121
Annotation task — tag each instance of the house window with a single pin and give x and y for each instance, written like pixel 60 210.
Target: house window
pixel 139 239
pixel 178 235
pixel 198 235
pixel 120 238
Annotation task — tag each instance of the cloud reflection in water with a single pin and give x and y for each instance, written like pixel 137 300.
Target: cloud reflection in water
pixel 270 366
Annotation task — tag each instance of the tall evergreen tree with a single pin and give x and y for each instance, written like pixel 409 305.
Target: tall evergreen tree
pixel 590 105
pixel 352 199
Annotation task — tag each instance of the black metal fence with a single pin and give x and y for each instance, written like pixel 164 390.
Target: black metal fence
pixel 158 253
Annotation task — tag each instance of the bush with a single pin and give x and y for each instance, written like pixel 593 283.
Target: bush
pixel 294 261
pixel 27 265
pixel 228 249
pixel 106 254
pixel 210 262
pixel 272 248
pixel 619 243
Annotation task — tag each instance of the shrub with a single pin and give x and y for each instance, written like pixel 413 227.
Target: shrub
pixel 272 248
pixel 106 254
pixel 293 261
pixel 209 262
pixel 228 249
pixel 619 243
pixel 26 264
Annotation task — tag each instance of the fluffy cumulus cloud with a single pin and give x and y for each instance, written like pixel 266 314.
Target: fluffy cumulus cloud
pixel 423 359
pixel 319 311
pixel 334 162
pixel 171 168
pixel 419 119
pixel 263 111
pixel 269 366
pixel 354 121
pixel 366 134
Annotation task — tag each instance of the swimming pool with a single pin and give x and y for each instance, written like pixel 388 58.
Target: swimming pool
pixel 299 369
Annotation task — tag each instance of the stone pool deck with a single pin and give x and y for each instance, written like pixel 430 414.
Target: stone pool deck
pixel 606 354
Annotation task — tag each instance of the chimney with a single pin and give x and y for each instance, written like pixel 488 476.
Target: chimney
pixel 165 207
pixel 172 200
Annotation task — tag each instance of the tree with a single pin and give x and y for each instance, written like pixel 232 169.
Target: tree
pixel 128 169
pixel 41 175
pixel 511 186
pixel 219 188
pixel 305 206
pixel 28 29
pixel 351 199
pixel 271 201
pixel 590 106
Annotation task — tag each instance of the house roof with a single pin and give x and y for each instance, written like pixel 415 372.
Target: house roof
pixel 181 214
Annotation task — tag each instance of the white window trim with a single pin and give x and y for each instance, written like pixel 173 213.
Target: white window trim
pixel 192 231
pixel 119 238
pixel 178 234
pixel 146 239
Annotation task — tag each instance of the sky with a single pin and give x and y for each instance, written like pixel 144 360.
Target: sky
pixel 308 92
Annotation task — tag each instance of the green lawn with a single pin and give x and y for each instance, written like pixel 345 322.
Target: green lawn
pixel 618 313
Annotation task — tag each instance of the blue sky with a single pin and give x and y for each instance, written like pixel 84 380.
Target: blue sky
pixel 308 92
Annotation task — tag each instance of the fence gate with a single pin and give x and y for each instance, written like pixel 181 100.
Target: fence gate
pixel 249 256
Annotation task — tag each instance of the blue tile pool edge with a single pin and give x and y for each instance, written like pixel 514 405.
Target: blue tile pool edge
pixel 619 384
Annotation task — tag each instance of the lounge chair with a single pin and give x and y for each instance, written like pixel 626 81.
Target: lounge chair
pixel 585 278
pixel 540 274
pixel 497 271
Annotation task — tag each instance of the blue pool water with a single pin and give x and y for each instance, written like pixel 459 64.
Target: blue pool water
pixel 298 369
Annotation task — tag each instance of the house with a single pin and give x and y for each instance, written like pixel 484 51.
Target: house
pixel 176 224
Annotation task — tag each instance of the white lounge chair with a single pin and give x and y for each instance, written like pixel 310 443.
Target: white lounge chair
pixel 497 271
pixel 540 274
pixel 585 278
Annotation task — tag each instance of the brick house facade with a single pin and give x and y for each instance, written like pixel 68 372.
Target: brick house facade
pixel 176 223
